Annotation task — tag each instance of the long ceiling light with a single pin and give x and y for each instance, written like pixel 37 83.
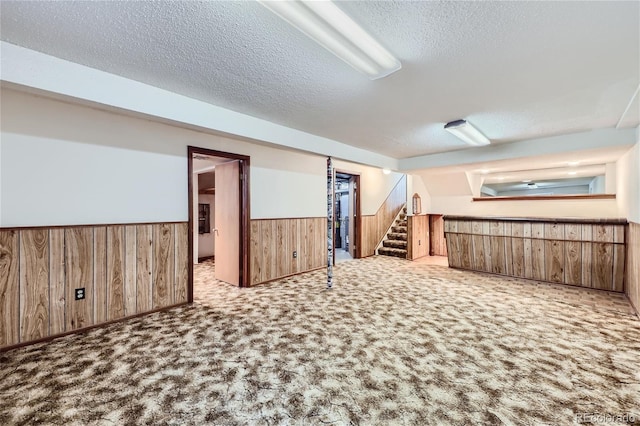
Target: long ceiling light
pixel 330 27
pixel 465 131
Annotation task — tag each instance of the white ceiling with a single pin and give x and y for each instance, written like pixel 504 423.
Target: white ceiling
pixel 517 70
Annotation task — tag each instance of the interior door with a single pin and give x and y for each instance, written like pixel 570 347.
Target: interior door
pixel 437 243
pixel 227 220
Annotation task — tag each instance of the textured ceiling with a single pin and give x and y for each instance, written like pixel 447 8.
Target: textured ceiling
pixel 517 70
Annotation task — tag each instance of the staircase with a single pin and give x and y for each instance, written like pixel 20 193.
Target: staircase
pixel 396 242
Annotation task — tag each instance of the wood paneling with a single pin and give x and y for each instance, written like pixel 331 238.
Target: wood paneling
pixel 255 242
pixel 79 262
pixel 580 253
pixel 618 267
pixel 163 267
pixel 374 227
pixel 573 262
pixel 100 274
pixel 602 266
pixel 9 288
pixel 437 244
pixel 537 260
pixel 273 242
pixel 417 236
pixel 40 269
pixel 57 292
pixel 182 262
pixel 115 272
pixel 554 260
pixel 144 268
pixel 517 250
pixel 632 283
pixel 34 284
pixel 477 244
pixel 130 270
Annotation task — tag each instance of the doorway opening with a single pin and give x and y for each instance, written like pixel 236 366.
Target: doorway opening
pixel 219 214
pixel 346 232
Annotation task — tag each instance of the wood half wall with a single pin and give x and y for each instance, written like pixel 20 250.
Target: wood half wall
pixel 273 242
pixel 125 270
pixel 576 252
pixel 374 227
pixel 632 287
pixel 417 236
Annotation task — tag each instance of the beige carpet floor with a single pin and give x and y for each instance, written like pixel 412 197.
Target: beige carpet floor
pixel 394 343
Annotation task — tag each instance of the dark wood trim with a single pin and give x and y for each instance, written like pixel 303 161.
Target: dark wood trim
pixel 549 197
pixel 191 224
pixel 89 328
pixel 245 224
pixel 358 236
pixel 22 228
pixel 594 221
pixel 244 209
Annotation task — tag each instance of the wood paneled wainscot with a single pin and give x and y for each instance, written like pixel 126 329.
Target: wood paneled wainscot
pixel 632 283
pixel 581 252
pixel 273 242
pixel 125 270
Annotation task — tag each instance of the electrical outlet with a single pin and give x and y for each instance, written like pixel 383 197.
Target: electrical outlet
pixel 79 293
pixel 295 254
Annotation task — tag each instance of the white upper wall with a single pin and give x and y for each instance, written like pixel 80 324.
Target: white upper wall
pixel 48 181
pixel 66 164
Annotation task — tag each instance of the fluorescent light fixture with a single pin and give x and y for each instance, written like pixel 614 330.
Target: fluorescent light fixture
pixel 330 27
pixel 573 173
pixel 386 171
pixel 465 131
pixel 573 163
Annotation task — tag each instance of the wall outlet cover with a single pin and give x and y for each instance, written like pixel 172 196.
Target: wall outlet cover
pixel 295 254
pixel 79 293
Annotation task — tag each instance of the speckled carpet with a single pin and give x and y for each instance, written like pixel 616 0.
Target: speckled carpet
pixel 394 342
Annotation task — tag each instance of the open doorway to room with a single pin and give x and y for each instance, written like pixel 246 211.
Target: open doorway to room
pixel 219 214
pixel 347 217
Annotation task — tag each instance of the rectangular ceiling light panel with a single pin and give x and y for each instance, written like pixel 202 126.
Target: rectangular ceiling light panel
pixel 465 131
pixel 330 27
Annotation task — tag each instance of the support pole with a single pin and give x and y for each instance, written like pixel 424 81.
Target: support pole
pixel 330 190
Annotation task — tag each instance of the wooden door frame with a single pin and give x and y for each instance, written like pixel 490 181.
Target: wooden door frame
pixel 244 209
pixel 358 222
